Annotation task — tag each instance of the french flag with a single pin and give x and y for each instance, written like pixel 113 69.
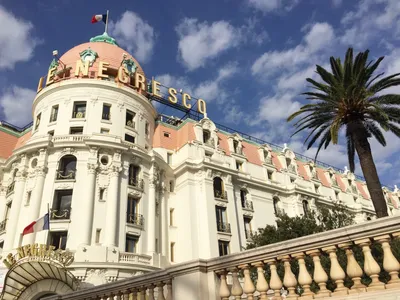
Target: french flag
pixel 98 18
pixel 38 225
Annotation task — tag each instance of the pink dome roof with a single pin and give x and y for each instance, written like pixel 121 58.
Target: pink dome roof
pixel 106 52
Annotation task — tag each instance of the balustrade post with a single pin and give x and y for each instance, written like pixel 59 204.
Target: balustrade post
pixel 390 263
pixel 275 283
pixel 141 295
pixel 289 280
pixel 371 267
pixel 118 296
pixel 262 284
pixel 304 279
pixel 337 274
pixel 169 291
pixel 237 290
pixel 160 291
pixel 320 276
pixel 224 291
pixel 134 294
pixel 151 293
pixel 353 269
pixel 248 287
pixel 126 294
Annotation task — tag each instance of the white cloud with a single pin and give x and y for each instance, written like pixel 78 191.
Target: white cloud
pixel 135 34
pixel 16 103
pixel 273 5
pixel 277 108
pixel 199 42
pixel 320 36
pixel 337 3
pixel 17 41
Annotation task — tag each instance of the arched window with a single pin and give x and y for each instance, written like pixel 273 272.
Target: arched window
pixel 219 191
pixel 66 167
pixel 10 188
pixel 134 172
pixel 206 136
pixel 276 205
pixel 306 207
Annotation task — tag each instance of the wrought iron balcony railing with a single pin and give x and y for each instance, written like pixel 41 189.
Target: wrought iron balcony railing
pixel 10 188
pixel 60 214
pixel 221 195
pixel 292 169
pixel 224 227
pixel 105 116
pixel 135 219
pixel 79 114
pixel 238 151
pixel 65 174
pixel 268 160
pixel 130 124
pixel 210 142
pixel 3 225
pixel 247 204
pixel 136 182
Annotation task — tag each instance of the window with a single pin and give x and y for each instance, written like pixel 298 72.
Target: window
pixel 2 245
pixel 337 195
pixel 131 243
pixel 247 227
pixel 8 209
pixel 269 175
pixel 235 146
pixel 276 205
pixel 38 121
pixel 133 206
pixel 66 168
pixel 76 130
pixel 306 207
pixel 58 239
pixel 206 136
pixel 169 158
pixel 219 188
pixel 133 178
pixel 316 187
pixel 239 166
pixel 146 129
pixel 104 131
pixel 223 248
pixel 79 110
pixel 98 232
pixel 171 186
pixel 222 224
pixel 172 251
pixel 243 197
pixel 54 113
pixel 106 115
pixel 51 133
pixel 61 208
pixel 171 217
pixel 130 119
pixel 102 194
pixel 166 134
pixel 292 180
pixel 129 138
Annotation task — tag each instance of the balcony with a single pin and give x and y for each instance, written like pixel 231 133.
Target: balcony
pixel 223 227
pixel 292 169
pixel 221 195
pixel 57 214
pixel 136 182
pixel 128 257
pixel 268 160
pixel 130 124
pixel 248 205
pixel 210 142
pixel 238 151
pixel 3 225
pixel 105 116
pixel 10 188
pixel 65 175
pixel 135 219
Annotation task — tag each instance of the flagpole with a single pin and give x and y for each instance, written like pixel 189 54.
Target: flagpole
pixel 106 22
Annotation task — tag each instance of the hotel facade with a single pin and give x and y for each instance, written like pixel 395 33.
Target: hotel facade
pixel 130 191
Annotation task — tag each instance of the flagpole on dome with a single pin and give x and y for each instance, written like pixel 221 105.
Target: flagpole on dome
pixel 106 22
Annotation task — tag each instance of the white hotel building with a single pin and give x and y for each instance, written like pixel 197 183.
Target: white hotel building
pixel 131 191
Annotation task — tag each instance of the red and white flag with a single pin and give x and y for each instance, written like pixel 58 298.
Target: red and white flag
pixel 98 18
pixel 38 225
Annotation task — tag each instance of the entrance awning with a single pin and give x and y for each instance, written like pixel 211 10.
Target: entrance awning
pixel 30 270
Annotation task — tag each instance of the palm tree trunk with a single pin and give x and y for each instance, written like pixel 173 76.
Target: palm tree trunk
pixel 368 168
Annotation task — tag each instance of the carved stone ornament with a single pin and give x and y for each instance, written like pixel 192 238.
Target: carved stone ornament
pixel 220 203
pixel 133 193
pixel 88 55
pixel 68 150
pixel 120 104
pixel 67 101
pixel 64 186
pixel 96 277
pixel 209 173
pixel 92 168
pixel 103 180
pixel 130 65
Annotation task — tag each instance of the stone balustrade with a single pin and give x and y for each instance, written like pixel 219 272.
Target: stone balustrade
pixel 324 265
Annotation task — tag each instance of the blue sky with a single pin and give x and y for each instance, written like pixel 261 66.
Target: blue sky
pixel 247 58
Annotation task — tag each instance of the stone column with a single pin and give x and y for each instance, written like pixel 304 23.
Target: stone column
pixel 87 206
pixel 164 225
pixel 151 217
pixel 12 236
pixel 36 202
pixel 112 208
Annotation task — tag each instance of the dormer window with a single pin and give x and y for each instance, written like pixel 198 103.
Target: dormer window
pixel 333 179
pixel 267 157
pixel 235 146
pixel 313 172
pixel 206 137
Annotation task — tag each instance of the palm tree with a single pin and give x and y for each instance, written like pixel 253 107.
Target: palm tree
pixel 350 96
